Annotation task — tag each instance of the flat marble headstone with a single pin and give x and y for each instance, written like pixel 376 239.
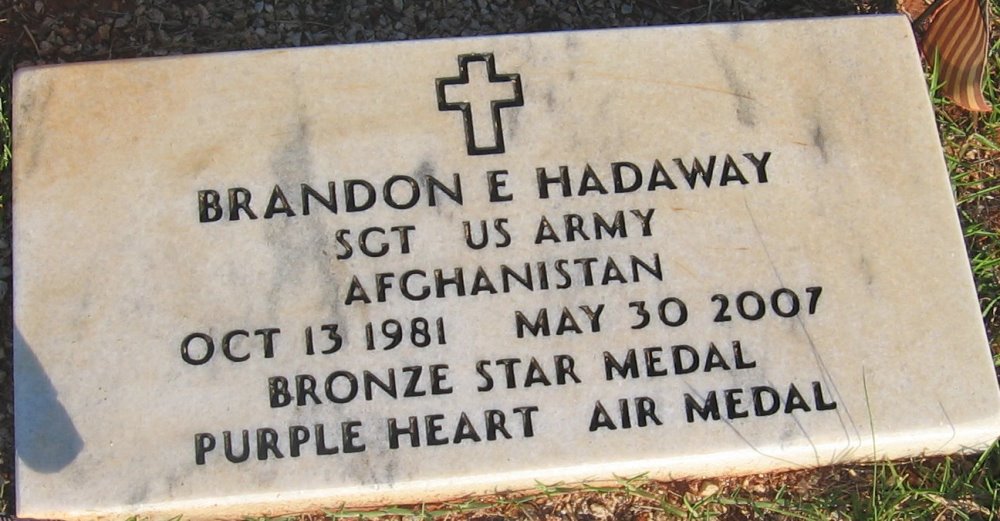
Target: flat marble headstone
pixel 278 280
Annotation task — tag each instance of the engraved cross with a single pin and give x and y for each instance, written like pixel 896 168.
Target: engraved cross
pixel 480 96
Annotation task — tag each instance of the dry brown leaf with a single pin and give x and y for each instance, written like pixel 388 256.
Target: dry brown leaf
pixel 911 8
pixel 957 37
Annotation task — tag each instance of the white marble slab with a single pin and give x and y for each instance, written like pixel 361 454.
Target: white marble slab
pixel 828 310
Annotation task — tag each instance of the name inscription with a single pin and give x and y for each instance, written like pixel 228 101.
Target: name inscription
pixel 383 383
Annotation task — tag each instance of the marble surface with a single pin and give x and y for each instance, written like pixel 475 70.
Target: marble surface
pixel 187 331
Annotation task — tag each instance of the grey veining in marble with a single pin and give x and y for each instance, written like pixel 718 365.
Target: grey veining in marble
pixel 275 280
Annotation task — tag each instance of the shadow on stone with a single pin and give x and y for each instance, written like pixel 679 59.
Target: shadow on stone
pixel 44 435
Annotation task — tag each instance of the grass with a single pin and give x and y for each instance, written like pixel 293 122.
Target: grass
pixel 939 488
pixel 973 156
pixel 6 395
pixel 5 152
pixel 945 488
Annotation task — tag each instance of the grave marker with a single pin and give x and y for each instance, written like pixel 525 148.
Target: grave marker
pixel 282 280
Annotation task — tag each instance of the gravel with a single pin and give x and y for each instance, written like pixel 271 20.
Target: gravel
pixel 55 31
pixel 36 32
